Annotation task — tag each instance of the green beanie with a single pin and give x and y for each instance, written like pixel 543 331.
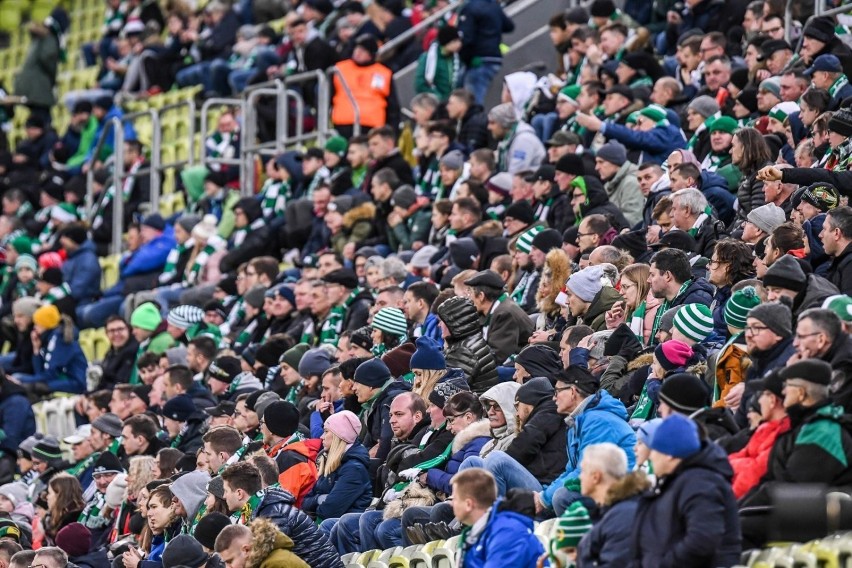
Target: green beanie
pixel 22 244
pixel 633 117
pixel 738 306
pixel 654 112
pixel 336 145
pixel 193 181
pixel 524 243
pixel 570 94
pixel 293 356
pixel 694 321
pixel 840 304
pixel 391 320
pixel 570 527
pixel 146 317
pixel 724 124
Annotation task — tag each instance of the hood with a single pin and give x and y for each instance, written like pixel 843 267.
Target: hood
pixel 602 302
pixel 523 127
pixel 817 290
pixel 596 195
pixel 273 497
pixel 478 429
pixel 604 402
pixel 711 457
pixel 265 538
pixel 309 448
pixel 627 169
pixel 521 86
pixel 460 317
pixel 94 559
pixel 464 252
pixel 699 284
pixel 191 490
pixel 504 395
pixel 247 381
pixel 628 486
pixel 364 212
pixel 539 360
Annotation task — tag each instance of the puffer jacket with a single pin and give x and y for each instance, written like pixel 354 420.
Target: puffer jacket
pixel 466 349
pixel 731 366
pixel 309 542
pixel 715 189
pixel 345 490
pixel 502 437
pixel 750 193
pixel 540 446
pixel 751 462
pixel 467 443
pixel 699 291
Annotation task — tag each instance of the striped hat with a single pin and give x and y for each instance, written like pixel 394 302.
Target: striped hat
pixel 655 113
pixel 782 110
pixel 391 320
pixel 840 304
pixel 570 527
pixel 570 94
pixel 738 306
pixel 694 321
pixel 185 316
pixel 524 243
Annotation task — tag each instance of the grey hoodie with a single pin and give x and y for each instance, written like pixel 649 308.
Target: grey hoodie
pixel 191 490
pixel 526 152
pixel 504 395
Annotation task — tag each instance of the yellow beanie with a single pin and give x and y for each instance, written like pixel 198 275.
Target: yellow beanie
pixel 47 316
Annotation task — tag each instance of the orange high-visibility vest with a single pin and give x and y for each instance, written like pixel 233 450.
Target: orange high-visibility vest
pixel 370 86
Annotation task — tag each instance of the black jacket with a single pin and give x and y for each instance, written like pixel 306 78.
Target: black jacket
pixel 541 445
pixel 840 358
pixel 840 271
pixel 710 231
pixel 217 43
pixel 466 349
pixel 358 311
pixel 255 244
pixel 473 129
pixel 190 440
pixel 598 203
pixel 309 542
pixel 94 559
pixel 394 161
pixel 377 420
pixel 118 364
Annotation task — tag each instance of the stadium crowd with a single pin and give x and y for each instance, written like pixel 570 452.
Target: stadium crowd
pixel 620 298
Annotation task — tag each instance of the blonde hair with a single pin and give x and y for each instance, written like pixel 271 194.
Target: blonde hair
pixel 333 456
pixel 638 274
pixel 141 469
pixel 430 378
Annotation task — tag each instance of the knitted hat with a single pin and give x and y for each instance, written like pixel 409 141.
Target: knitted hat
pixel 205 229
pixel 76 233
pixel 404 197
pixel 524 242
pixel 25 448
pixel 453 160
pixel 64 213
pixel 345 425
pixel 840 122
pixel 667 321
pixel 391 320
pixel 146 317
pixel 694 321
pixel 362 337
pixel 547 240
pixel 534 391
pixel 655 113
pixel 677 436
pixel 646 430
pixel 771 85
pixel 673 354
pixel 26 261
pixel 840 304
pixel 724 124
pixel 314 362
pixel 294 355
pixel 777 317
pixel 108 423
pixel 503 114
pixel 782 110
pixel 263 401
pixel 748 98
pixel 500 183
pixel 738 306
pixel 143 393
pixel 613 152
pixel 571 164
pixel 116 491
pixel 521 211
pixel 423 257
pixel 22 244
pixel 75 539
pixel 823 196
pixel 52 276
pixel 154 221
pixel 428 355
pixel 47 316
pixel 255 297
pixel 602 8
pixel 47 449
pixel 821 29
pixel 811 370
pixel 633 242
pixel 179 408
pixel 569 93
pixel 281 418
pixel 210 525
pixel 336 145
pixel 185 316
pixel 188 222
pixel 586 283
pixel 398 359
pixel 447 388
pixel 570 528
pixel 767 217
pixel 15 492
pixel 107 462
pixel 704 105
pixel 26 306
pixel 224 369
pixel 539 360
pixel 684 392
pixel 191 490
pixel 185 550
pixel 373 373
pixel 786 273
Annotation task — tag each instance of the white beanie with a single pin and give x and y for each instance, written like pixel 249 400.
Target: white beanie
pixel 587 283
pixel 116 491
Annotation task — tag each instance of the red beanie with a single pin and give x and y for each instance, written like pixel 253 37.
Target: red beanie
pixel 75 539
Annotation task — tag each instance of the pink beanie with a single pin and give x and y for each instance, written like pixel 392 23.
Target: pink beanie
pixel 673 354
pixel 345 425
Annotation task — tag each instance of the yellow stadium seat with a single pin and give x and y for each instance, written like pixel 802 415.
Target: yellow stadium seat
pixel 10 19
pixel 168 154
pixel 41 10
pixel 168 185
pixel 182 149
pixel 101 343
pixel 368 556
pixel 109 271
pixel 171 203
pixel 87 344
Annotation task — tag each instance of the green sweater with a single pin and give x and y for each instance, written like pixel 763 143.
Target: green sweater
pixel 87 140
pixel 437 72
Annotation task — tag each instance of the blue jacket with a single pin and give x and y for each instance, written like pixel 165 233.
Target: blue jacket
pixel 715 189
pixel 17 420
pixel 820 261
pixel 656 144
pixel 62 366
pixel 317 420
pixel 109 142
pixel 430 328
pixel 698 292
pixel 82 272
pixel 604 419
pixel 507 540
pixel 690 518
pixel 155 556
pixel 467 443
pixel 482 24
pixel 346 490
pixel 150 256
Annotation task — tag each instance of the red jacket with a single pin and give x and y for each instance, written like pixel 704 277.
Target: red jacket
pixel 751 462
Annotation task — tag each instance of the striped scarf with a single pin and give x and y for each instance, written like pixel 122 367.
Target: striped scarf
pixel 25 290
pixel 244 336
pixel 91 516
pixel 243 515
pixel 332 326
pixel 57 293
pixel 274 200
pixel 658 317
pixel 241 234
pixel 214 244
pixel 170 271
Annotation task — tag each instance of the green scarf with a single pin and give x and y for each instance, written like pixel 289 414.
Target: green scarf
pixel 838 84
pixel 332 327
pixel 503 150
pixel 57 293
pixel 77 469
pixel 243 515
pixel 358 175
pixel 91 516
pixel 662 309
pixel 169 272
pixel 274 200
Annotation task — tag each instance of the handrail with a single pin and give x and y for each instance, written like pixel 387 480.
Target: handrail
pixel 356 127
pixel 118 202
pixel 205 109
pixel 192 108
pixel 248 146
pixel 390 46
pixel 115 122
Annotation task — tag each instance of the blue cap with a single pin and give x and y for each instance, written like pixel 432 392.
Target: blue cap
pixel 677 436
pixel 825 62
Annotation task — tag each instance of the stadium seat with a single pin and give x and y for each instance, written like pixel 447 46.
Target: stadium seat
pixel 101 343
pixel 366 557
pixel 87 344
pixel 171 203
pixel 377 564
pixel 109 271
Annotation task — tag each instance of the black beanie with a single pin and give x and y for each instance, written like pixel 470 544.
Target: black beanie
pixel 281 418
pixel 250 206
pixel 209 527
pixel 748 98
pixel 447 34
pixel 77 233
pixel 539 360
pixel 602 8
pixel 547 240
pixel 522 211
pixel 685 392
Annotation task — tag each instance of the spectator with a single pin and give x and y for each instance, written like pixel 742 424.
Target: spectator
pixel 518 149
pixel 262 543
pixel 481 26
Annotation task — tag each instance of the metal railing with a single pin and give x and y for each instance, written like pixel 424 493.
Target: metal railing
pixel 388 48
pixel 206 160
pixel 334 72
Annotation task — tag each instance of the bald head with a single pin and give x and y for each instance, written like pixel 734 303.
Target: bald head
pixel 406 411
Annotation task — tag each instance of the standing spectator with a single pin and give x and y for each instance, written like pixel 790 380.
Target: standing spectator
pixel 482 24
pixel 439 70
pixel 37 76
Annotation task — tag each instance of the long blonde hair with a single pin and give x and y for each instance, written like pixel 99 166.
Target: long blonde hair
pixel 141 470
pixel 430 378
pixel 638 274
pixel 333 456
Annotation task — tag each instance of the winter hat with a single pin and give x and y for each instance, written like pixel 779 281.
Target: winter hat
pixel 52 276
pixel 782 110
pixel 570 528
pixel 820 28
pixel 26 261
pixel 524 242
pixel 154 221
pixel 602 9
pixel 404 197
pixel 646 430
pixel 539 360
pixel 116 491
pixel 823 196
pixel 767 217
pixel 224 369
pixel 428 355
pixel 77 234
pixel 22 244
pixel 293 356
pixel 185 550
pixel 281 418
pixel 143 393
pixel 185 316
pixel 15 492
pixel 109 424
pixel 534 391
pixel 205 229
pixel 738 306
pixel 255 297
pixel 373 373
pixel 75 539
pixel 263 401
pixel 840 304
pixel 398 359
pixel 571 164
pixel 362 338
pixel 146 317
pixel 748 98
pixel 786 273
pixel 655 113
pixel 188 222
pixel 107 462
pixel 776 316
pixel 345 425
pixel 47 316
pixel 336 145
pixel 26 306
pixel 25 448
pixel 547 240
pixel 771 85
pixel 724 124
pixel 346 277
pixel 501 183
pixel 684 392
pixel 463 252
pixel 704 105
pixel 667 321
pixel 840 122
pixel 503 114
pixel 210 525
pixel 569 93
pixel 694 321
pixel 391 320
pixel 191 491
pixel 453 160
pixel 179 408
pixel 613 152
pixel 586 284
pixel 633 242
pixel 314 362
pixel 422 258
pixel 447 388
pixel 811 370
pixel 521 211
pixel 64 213
pixel 677 436
pixel 673 354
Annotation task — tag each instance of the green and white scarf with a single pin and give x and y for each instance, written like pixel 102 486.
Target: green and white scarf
pixel 274 200
pixel 658 317
pixel 91 516
pixel 838 84
pixel 241 234
pixel 57 293
pixel 170 270
pixel 243 515
pixel 214 244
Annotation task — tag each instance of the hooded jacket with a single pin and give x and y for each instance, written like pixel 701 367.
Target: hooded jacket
pixel 17 420
pixel 309 542
pixel 143 267
pixel 508 539
pixel 690 518
pixel 623 191
pixel 94 559
pixel 60 363
pixel 467 443
pixel 699 291
pixel 525 151
pixel 602 303
pixel 377 419
pixel 473 129
pixel 656 144
pixel 297 467
pixel 715 189
pixel 814 294
pixel 466 349
pixel 482 24
pixel 345 490
pixel 540 444
pixel 840 357
pixel 82 272
pixel 598 203
pixel 502 437
pixel 270 548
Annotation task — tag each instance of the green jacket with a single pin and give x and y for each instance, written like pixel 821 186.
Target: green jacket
pixel 161 343
pixel 437 73
pixel 37 77
pixel 416 227
pixel 87 140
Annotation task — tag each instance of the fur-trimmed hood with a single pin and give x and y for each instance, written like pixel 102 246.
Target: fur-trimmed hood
pixel 479 429
pixel 364 212
pixel 488 229
pixel 265 538
pixel 628 486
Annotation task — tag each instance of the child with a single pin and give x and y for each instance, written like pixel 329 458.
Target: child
pixel 148 368
pixel 25 271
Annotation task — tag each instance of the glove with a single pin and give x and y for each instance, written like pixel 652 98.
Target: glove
pixel 622 342
pixel 410 474
pixel 389 495
pixel 573 484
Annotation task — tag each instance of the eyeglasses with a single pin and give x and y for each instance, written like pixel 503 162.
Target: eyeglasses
pixel 806 335
pixel 755 329
pixel 452 418
pixel 116 330
pixel 560 389
pixel 493 406
pixel 716 263
pixel 585 234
